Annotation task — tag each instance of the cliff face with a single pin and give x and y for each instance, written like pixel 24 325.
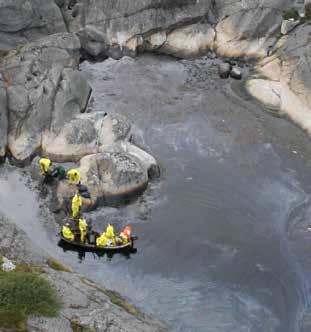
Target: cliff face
pixel 178 27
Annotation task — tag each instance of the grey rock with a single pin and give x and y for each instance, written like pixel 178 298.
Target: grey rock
pixel 92 41
pixel 224 69
pixel 236 73
pixel 119 22
pixel 288 25
pixel 87 305
pixel 16 245
pixel 45 324
pixel 38 82
pixel 73 135
pixel 242 28
pixel 112 174
pixel 287 82
pixel 25 21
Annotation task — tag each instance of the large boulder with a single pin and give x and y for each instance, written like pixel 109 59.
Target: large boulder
pixel 90 133
pixel 42 87
pixel 283 80
pixel 113 174
pixel 123 170
pixel 28 20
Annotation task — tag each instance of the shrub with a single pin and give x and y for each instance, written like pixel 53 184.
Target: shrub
pixel 55 265
pixel 24 293
pixel 290 13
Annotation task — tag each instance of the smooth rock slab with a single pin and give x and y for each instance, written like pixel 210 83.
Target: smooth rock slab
pixel 113 174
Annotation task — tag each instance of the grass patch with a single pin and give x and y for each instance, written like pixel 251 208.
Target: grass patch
pixel 24 293
pixel 79 328
pixel 56 265
pixel 118 300
pixel 290 13
pixel 114 297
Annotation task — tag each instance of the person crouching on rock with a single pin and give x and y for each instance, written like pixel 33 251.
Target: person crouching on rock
pixel 73 176
pixel 76 205
pixel 49 171
pixel 67 232
pixel 83 228
pixel 45 164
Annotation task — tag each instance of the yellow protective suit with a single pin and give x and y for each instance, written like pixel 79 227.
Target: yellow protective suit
pixel 110 234
pixel 102 240
pixel 83 229
pixel 74 176
pixel 67 233
pixel 76 204
pixel 44 165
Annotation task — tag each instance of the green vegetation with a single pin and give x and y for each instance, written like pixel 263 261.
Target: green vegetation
pixel 290 13
pixel 79 328
pixel 114 297
pixel 118 300
pixel 23 293
pixel 55 265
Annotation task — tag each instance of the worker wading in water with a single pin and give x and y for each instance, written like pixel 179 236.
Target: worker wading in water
pixel 67 232
pixel 73 176
pixel 83 229
pixel 76 205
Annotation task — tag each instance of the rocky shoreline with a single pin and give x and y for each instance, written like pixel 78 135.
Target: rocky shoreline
pixel 86 306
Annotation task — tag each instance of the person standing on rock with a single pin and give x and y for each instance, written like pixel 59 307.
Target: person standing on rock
pixel 76 205
pixel 73 176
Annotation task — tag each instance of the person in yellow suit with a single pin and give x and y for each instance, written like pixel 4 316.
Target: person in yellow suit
pixel 76 204
pixel 67 233
pixel 110 234
pixel 83 229
pixel 73 176
pixel 45 164
pixel 102 240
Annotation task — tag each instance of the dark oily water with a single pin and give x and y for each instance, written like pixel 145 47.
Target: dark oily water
pixel 222 235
